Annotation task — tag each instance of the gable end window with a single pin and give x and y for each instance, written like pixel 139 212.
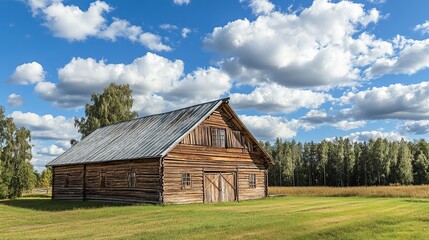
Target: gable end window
pixel 252 180
pixel 102 179
pixel 67 180
pixel 132 179
pixel 186 180
pixel 218 137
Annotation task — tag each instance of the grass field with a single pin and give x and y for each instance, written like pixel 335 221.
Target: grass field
pixel 420 191
pixel 272 218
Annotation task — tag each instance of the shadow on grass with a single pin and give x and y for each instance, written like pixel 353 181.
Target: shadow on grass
pixel 417 200
pixel 46 204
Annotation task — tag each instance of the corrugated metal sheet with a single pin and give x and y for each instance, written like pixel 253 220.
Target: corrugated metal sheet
pixel 146 137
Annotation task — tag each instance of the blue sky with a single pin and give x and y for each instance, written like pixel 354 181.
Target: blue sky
pixel 304 70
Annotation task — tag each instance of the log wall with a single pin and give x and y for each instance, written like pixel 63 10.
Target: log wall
pixel 75 188
pixel 147 186
pixel 194 155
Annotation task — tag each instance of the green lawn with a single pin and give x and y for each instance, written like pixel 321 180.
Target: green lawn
pixel 274 218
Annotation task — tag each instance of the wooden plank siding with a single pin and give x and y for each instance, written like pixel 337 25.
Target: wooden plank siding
pixel 147 186
pixel 75 188
pixel 194 155
pixel 237 158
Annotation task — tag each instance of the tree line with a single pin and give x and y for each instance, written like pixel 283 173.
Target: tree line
pixel 342 162
pixel 17 174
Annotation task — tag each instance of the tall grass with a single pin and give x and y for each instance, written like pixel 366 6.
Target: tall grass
pixel 421 191
pixel 271 218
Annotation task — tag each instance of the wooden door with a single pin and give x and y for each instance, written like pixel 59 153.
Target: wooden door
pixel 219 187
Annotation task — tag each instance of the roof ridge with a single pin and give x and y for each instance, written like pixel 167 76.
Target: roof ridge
pixel 179 109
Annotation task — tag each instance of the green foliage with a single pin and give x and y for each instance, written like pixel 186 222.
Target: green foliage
pixel 112 106
pixel 46 178
pixel 343 163
pixel 16 171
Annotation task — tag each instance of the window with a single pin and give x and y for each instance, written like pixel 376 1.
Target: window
pixel 252 180
pixel 67 181
pixel 132 179
pixel 102 179
pixel 186 180
pixel 218 137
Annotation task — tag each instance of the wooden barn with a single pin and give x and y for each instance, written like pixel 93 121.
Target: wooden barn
pixel 202 153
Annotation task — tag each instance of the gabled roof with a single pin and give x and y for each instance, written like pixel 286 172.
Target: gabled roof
pixel 151 136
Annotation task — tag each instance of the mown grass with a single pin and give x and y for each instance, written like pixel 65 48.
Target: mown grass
pixel 272 218
pixel 421 191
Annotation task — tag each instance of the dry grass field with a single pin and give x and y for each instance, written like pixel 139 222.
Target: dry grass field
pixel 421 191
pixel 271 218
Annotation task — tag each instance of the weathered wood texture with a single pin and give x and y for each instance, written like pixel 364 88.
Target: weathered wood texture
pixel 75 176
pixel 217 173
pixel 194 155
pixel 147 186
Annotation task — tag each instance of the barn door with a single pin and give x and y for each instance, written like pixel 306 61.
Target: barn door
pixel 219 187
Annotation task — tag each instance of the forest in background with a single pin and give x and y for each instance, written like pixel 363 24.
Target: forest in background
pixel 342 162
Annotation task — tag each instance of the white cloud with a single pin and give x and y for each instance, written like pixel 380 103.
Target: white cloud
pixel 316 118
pixel 349 125
pixel 45 151
pixel 46 127
pixel 167 26
pixel 185 32
pixel 15 100
pixel 81 77
pixel 182 2
pixel 200 85
pixel 158 83
pixel 413 56
pixel 153 42
pixel 415 127
pixel 71 23
pixel 28 73
pixel 273 98
pixel 52 150
pixel 261 6
pixel 377 1
pixel 269 127
pixel 120 28
pixel 424 27
pixel 323 46
pixel 396 101
pixel 366 135
pixel 74 24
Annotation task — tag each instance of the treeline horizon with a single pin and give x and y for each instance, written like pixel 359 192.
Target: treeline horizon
pixel 342 162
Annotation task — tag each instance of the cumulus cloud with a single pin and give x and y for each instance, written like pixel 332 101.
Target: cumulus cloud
pixel 415 127
pixel 424 27
pixel 181 2
pixel 396 101
pixel 46 127
pixel 15 100
pixel 322 46
pixel 366 135
pixel 273 98
pixel 261 6
pixel 158 83
pixel 413 56
pixel 43 152
pixel 28 73
pixel 316 118
pixel 52 150
pixel 194 86
pixel 269 127
pixel 74 24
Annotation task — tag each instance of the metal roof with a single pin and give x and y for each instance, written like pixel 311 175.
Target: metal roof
pixel 147 137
